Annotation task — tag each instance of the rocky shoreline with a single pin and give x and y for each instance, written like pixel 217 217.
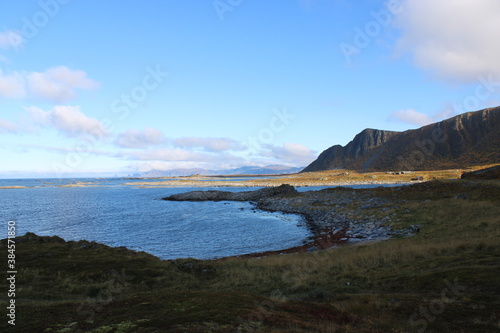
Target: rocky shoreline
pixel 260 183
pixel 354 214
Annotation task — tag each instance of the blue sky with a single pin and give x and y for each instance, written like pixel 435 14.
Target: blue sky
pixel 96 88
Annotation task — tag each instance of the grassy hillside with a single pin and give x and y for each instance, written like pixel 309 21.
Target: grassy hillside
pixel 443 279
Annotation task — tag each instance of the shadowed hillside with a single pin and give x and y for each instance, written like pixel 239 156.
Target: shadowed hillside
pixel 468 139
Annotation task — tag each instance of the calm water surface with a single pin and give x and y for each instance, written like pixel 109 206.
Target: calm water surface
pixel 119 215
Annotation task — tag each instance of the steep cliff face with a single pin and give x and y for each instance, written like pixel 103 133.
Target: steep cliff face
pixel 471 138
pixel 354 154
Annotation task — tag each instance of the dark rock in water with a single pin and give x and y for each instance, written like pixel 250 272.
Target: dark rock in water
pixel 212 195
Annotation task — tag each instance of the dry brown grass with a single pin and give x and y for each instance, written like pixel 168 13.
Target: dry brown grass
pixel 373 287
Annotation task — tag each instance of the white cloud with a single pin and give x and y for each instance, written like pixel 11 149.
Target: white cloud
pixel 7 126
pixel 38 116
pixel 168 154
pixel 421 119
pixel 145 166
pixel 140 139
pixel 83 149
pixel 72 121
pixel 411 116
pixel 59 83
pixel 189 152
pixel 12 85
pixel 11 39
pixel 296 150
pixel 168 158
pixel 68 120
pixel 455 39
pixel 209 144
pixel 290 154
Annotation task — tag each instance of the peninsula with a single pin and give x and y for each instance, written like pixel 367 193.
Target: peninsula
pixel 437 271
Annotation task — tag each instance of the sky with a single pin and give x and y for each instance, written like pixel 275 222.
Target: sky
pixel 103 88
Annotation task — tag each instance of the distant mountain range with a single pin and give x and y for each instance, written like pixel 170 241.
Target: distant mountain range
pixel 246 170
pixel 468 139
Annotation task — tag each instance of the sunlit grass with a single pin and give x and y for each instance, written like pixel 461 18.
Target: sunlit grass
pixel 372 287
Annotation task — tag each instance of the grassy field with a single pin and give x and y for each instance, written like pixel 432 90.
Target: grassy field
pixel 443 279
pixel 319 178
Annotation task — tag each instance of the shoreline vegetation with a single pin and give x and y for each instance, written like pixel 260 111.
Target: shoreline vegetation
pixel 334 215
pixel 435 271
pixel 307 179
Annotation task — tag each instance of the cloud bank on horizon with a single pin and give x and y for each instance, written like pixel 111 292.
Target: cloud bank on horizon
pixel 74 105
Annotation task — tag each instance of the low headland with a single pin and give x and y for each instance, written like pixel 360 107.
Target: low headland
pixel 335 215
pixel 424 257
pixel 305 179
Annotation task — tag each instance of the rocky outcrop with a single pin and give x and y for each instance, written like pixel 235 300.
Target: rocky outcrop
pixel 339 210
pixel 354 154
pixel 270 192
pixel 468 139
pixel 488 173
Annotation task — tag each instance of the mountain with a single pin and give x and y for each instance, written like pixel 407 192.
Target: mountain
pixel 468 139
pixel 245 170
pixel 173 173
pixel 267 170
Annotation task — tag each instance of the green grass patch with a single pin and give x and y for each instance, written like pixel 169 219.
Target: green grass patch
pixel 443 279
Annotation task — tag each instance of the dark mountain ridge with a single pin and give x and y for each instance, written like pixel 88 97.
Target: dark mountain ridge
pixel 471 138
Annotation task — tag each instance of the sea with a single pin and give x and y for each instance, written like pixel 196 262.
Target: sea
pixel 110 212
pixel 115 214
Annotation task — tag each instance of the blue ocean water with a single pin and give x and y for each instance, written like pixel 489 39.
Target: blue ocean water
pixel 119 215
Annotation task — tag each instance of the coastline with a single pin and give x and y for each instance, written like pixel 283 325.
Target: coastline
pixel 364 288
pixel 322 240
pixel 306 179
pixel 336 215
